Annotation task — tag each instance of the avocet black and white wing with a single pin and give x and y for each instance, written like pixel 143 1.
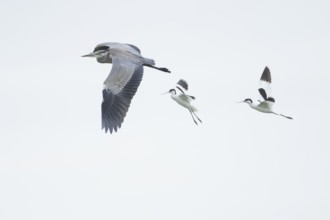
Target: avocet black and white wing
pixel 182 85
pixel 266 75
pixel 264 88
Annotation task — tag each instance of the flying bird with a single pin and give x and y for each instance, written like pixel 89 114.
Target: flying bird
pixel 123 81
pixel 265 106
pixel 184 99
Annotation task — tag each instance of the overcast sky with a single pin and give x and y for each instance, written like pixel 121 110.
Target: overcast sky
pixel 57 163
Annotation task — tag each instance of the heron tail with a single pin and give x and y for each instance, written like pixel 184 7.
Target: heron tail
pixel 148 62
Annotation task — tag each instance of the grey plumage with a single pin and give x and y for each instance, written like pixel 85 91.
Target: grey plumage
pixel 123 81
pixel 115 105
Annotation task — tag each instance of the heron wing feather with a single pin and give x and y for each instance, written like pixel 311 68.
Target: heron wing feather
pixel 121 85
pixel 116 104
pixel 123 66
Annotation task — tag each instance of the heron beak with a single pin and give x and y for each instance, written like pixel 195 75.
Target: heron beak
pixel 240 102
pixel 165 93
pixel 89 55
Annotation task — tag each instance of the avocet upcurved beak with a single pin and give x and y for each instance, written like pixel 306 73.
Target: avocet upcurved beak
pixel 164 93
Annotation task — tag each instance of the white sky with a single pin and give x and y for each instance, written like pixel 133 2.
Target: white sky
pixel 57 163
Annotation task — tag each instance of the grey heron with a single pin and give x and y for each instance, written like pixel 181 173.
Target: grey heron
pixel 265 106
pixel 123 81
pixel 184 99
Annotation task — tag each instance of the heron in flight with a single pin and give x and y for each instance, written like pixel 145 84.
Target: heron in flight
pixel 265 106
pixel 123 81
pixel 184 99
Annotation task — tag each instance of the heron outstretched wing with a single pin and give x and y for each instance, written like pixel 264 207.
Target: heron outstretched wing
pixel 134 47
pixel 120 87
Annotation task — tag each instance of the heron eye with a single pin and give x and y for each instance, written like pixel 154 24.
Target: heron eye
pixel 101 48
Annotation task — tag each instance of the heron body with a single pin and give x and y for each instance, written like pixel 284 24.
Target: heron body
pixel 265 106
pixel 123 81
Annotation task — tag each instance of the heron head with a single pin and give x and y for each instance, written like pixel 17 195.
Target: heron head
pixel 99 51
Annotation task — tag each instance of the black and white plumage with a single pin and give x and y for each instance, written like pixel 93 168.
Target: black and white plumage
pixel 265 106
pixel 182 84
pixel 123 81
pixel 184 99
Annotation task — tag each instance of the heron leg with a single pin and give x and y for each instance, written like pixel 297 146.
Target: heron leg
pixel 158 68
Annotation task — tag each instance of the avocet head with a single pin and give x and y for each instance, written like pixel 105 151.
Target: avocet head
pixel 172 91
pixel 247 101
